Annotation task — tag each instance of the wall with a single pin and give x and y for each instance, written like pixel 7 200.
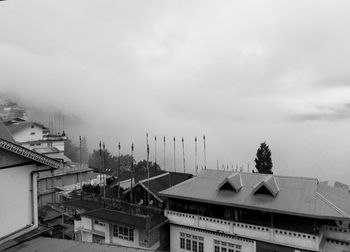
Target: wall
pixel 247 245
pixel 16 209
pixel 25 134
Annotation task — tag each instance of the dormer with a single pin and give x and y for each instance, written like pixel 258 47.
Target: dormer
pixel 231 183
pixel 268 186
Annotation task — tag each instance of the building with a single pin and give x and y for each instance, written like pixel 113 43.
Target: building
pixel 110 226
pixel 19 169
pixel 229 211
pixel 151 187
pixel 34 135
pixel 54 186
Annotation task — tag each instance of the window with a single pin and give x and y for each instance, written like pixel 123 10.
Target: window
pixel 182 243
pixel 123 232
pixel 220 246
pixel 97 222
pixel 191 242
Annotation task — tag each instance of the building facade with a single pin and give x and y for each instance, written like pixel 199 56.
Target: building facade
pixel 19 168
pixel 234 212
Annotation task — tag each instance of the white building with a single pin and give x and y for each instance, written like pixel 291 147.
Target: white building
pixel 19 168
pixel 115 227
pixel 33 135
pixel 233 212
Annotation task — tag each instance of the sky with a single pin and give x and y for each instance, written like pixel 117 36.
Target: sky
pixel 240 72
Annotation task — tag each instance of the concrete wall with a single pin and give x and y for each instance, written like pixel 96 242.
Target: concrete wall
pixel 16 197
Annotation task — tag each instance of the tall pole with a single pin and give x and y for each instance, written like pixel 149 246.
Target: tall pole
pixel 118 170
pixel 205 155
pixel 164 153
pixel 104 175
pixel 155 150
pixel 100 145
pixel 131 171
pixel 81 179
pixel 174 157
pixel 147 165
pixel 195 156
pixel 183 154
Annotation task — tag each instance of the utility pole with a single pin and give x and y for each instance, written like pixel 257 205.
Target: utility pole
pixel 183 154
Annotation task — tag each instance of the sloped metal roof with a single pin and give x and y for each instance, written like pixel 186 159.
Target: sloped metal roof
pixel 297 195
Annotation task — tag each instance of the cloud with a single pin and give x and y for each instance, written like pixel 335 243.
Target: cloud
pixel 331 114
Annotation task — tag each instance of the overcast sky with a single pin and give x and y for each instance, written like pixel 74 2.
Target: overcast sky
pixel 240 72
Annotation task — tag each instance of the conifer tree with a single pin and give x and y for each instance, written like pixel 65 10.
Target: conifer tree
pixel 263 161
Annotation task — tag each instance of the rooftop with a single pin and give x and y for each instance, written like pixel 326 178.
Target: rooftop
pixel 84 204
pixel 138 221
pixel 296 195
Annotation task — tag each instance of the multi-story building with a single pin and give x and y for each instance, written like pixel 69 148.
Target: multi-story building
pixel 34 135
pixel 225 211
pixel 19 168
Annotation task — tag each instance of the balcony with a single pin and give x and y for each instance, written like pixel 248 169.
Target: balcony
pixel 342 234
pixel 255 232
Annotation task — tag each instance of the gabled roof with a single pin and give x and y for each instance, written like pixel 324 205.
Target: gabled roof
pixel 296 196
pixel 233 181
pixel 5 133
pixel 7 143
pixel 269 184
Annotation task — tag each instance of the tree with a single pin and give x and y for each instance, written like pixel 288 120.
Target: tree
pixel 263 161
pixel 142 166
pixel 71 150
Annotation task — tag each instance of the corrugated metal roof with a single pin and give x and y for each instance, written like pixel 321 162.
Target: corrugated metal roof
pixel 296 196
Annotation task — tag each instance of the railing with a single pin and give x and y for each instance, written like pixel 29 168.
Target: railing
pixel 337 233
pixel 256 232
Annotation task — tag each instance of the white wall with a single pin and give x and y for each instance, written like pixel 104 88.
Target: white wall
pixel 16 209
pixel 25 134
pixel 247 246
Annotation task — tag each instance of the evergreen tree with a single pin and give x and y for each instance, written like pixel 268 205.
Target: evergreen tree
pixel 263 161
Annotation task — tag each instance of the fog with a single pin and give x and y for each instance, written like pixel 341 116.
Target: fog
pixel 240 72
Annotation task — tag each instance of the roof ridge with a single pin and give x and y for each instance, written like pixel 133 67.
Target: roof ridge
pixel 331 204
pixel 154 177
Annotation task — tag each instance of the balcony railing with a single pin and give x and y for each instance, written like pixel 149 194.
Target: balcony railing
pixel 255 232
pixel 336 233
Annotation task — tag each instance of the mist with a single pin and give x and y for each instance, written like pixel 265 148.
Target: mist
pixel 240 72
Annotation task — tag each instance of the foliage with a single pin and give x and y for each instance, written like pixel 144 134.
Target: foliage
pixel 72 150
pixel 109 163
pixel 142 166
pixel 263 161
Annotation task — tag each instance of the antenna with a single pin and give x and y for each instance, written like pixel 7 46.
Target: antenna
pixel 205 156
pixel 183 154
pixel 104 175
pixel 174 157
pixel 81 179
pixel 195 154
pixel 148 194
pixel 100 145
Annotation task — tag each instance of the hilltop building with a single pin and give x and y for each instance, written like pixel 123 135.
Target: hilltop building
pixel 224 211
